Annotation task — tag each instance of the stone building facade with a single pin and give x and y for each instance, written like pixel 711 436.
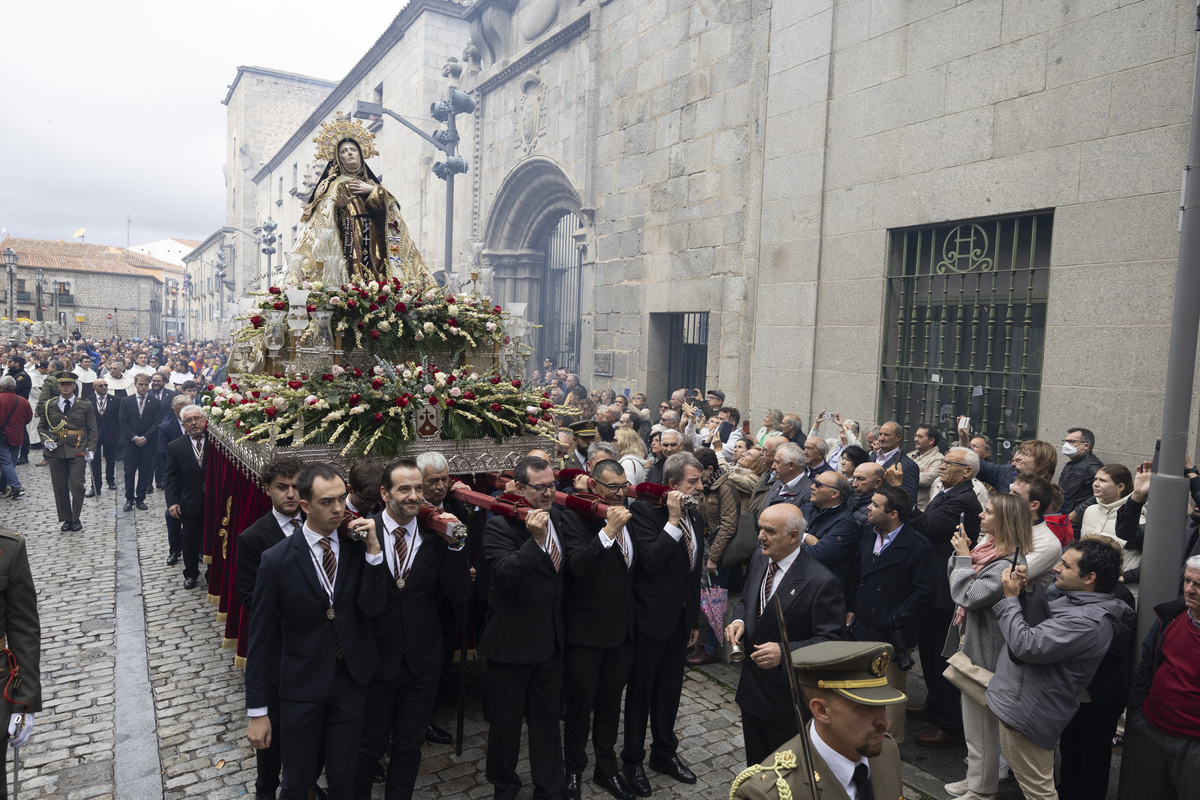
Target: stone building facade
pixel 100 290
pixel 888 208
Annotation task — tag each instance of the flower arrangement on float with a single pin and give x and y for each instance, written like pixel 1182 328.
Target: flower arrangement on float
pixel 375 411
pixel 376 314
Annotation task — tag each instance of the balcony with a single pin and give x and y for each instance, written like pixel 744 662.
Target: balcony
pixel 64 299
pixel 24 297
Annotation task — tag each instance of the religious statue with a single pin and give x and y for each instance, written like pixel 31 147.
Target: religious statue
pixel 352 226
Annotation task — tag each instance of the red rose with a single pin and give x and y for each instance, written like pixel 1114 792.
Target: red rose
pixel 233 387
pixel 310 308
pixel 276 375
pixel 546 395
pixel 255 394
pixel 363 294
pixel 450 379
pixel 449 401
pixel 546 404
pixel 532 420
pixel 381 299
pixel 362 326
pixel 433 401
pixel 210 387
pixel 496 406
pixel 245 400
pixel 399 308
pixel 275 290
pixel 271 411
pixel 280 306
pixel 355 398
pixel 378 418
pixel 506 340
pixel 374 335
pixel 418 302
pixel 395 280
pixel 547 416
pixel 256 321
pixel 295 384
pixel 238 424
pixel 326 377
pixel 517 384
pixel 495 379
pixel 468 395
pixel 351 303
pixel 450 299
pixel 452 322
pixel 401 401
pixel 495 309
pixel 372 307
pixel 375 384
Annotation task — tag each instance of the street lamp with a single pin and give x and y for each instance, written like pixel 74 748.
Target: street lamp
pixel 10 261
pixel 456 102
pixel 39 282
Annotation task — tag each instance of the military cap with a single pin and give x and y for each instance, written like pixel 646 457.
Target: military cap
pixel 855 670
pixel 65 376
pixel 584 427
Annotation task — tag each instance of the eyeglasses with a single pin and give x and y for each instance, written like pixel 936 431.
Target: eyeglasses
pixel 613 487
pixel 1073 441
pixel 663 407
pixel 954 463
pixel 540 488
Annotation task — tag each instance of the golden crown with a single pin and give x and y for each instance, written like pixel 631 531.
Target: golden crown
pixel 343 127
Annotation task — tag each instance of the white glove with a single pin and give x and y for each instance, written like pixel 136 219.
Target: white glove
pixel 18 734
pixel 48 445
pixel 90 455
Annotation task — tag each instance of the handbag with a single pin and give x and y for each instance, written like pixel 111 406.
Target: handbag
pixel 744 541
pixel 969 678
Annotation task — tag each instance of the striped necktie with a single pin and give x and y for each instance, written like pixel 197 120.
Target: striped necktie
pixel 401 548
pixel 552 549
pixel 768 583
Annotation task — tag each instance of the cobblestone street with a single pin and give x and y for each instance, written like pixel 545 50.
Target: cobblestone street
pixel 191 741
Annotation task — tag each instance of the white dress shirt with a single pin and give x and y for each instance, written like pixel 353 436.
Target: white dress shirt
pixel 841 767
pixel 388 541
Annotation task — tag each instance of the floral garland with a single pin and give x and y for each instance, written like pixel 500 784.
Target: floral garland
pixel 371 412
pixel 380 313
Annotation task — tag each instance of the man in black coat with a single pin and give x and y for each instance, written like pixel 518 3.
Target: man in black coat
pixel 897 576
pixel 185 488
pixel 891 454
pixel 170 429
pixel 313 602
pixel 164 395
pixel 523 636
pixel 424 566
pixel 937 523
pixel 813 610
pixel 599 616
pixel 139 430
pixel 108 425
pixel 669 549
pixel 1078 473
pixel 792 484
pixel 831 536
pixel 270 529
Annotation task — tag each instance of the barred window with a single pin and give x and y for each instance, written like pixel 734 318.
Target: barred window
pixel 966 322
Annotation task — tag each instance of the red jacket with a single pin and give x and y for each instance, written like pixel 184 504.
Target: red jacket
pixel 17 411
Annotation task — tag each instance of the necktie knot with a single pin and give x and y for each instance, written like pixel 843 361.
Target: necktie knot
pixel 862 782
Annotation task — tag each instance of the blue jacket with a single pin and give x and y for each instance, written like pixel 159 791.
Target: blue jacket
pixel 838 546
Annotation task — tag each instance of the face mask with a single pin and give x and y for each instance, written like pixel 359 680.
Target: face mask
pixel 1069 450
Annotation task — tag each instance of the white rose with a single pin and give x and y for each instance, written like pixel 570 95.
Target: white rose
pixel 335 301
pixel 217 413
pixel 306 285
pixel 452 309
pixel 377 370
pixel 428 327
pixel 281 403
pixel 531 410
pixel 387 289
pixel 440 379
pixel 491 326
pixel 373 286
pixel 311 400
pixel 384 326
pixel 317 286
pixel 429 388
pixel 337 369
pixel 407 374
pixel 455 391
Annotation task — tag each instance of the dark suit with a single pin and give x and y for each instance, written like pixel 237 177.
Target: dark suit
pixel 263 534
pixel 168 431
pixel 408 636
pixel 938 522
pixel 894 589
pixel 324 664
pixel 814 612
pixel 108 426
pixel 185 488
pixel 912 473
pixel 599 616
pixel 139 461
pixel 523 640
pixel 796 495
pixel 164 398
pixel 667 608
pixel 837 545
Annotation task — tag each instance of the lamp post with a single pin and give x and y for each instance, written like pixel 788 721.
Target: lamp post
pixel 456 102
pixel 39 282
pixel 10 261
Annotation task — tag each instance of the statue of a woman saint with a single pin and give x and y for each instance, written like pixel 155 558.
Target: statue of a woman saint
pixel 351 228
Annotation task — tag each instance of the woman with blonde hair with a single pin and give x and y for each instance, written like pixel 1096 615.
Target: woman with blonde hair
pixel 772 423
pixel 975 587
pixel 633 455
pixel 1033 457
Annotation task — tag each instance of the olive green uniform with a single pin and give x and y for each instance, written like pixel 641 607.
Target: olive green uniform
pixel 74 435
pixel 787 764
pixel 22 635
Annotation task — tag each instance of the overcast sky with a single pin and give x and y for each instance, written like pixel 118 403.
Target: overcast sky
pixel 114 109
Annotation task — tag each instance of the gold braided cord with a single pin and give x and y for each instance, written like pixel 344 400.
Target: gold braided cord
pixel 868 683
pixel 785 761
pixel 343 127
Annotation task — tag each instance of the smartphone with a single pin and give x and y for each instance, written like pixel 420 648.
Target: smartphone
pixel 626 392
pixel 964 423
pixel 1157 448
pixel 1016 553
pixel 962 517
pixel 745 427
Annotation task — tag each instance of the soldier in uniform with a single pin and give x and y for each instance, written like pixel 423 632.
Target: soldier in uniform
pixel 844 685
pixel 22 696
pixel 68 430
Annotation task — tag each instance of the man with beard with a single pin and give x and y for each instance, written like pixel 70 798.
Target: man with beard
pixel 852 754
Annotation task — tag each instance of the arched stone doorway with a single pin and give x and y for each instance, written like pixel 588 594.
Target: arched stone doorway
pixel 534 241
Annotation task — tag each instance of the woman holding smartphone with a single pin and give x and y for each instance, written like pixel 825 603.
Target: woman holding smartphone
pixel 1006 532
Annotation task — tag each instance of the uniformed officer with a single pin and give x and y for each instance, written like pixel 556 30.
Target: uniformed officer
pixel 68 430
pixel 844 685
pixel 584 433
pixel 21 697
